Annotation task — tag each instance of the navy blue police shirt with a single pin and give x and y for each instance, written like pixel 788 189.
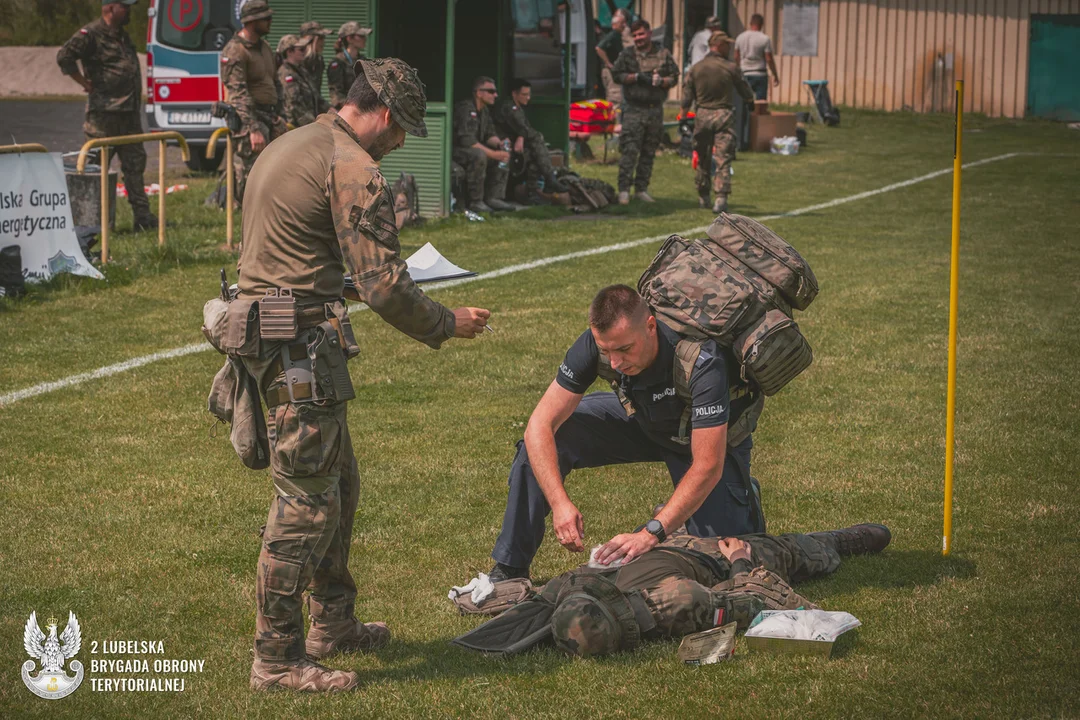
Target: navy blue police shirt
pixel 657 407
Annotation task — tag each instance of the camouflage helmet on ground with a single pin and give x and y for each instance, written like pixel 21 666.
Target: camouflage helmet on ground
pixel 593 617
pixel 253 10
pixel 313 27
pixel 399 88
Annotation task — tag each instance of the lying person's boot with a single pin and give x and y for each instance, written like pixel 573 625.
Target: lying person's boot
pixel 301 675
pixel 145 222
pixel 345 636
pixel 553 184
pixel 624 198
pixel 536 198
pixel 644 197
pixel 497 204
pixel 857 539
pixel 720 205
pixel 507 572
pixel 480 207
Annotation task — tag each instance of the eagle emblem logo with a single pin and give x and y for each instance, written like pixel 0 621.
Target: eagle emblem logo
pixel 52 652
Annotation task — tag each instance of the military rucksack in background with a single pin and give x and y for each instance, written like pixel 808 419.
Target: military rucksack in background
pixel 406 201
pixel 737 286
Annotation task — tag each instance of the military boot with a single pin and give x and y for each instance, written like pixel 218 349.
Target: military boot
pixel 507 572
pixel 703 201
pixel 149 221
pixel 720 205
pixel 624 198
pixel 301 675
pixel 345 636
pixel 644 197
pixel 857 539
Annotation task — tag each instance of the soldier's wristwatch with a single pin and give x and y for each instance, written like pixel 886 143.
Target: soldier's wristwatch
pixel 656 528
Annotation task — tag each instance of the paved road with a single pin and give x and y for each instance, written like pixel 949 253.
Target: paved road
pixel 57 124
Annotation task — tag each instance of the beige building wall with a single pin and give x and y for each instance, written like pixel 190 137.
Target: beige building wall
pixel 902 54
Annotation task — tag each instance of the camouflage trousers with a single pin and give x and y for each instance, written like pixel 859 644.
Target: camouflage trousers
pixel 483 176
pixel 308 531
pixel 244 156
pixel 537 159
pixel 132 157
pixel 638 143
pixel 714 143
pixel 681 606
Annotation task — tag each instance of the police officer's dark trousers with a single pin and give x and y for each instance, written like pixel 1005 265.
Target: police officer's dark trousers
pixel 599 433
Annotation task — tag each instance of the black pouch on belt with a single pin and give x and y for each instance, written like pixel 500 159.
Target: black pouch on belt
pixel 329 364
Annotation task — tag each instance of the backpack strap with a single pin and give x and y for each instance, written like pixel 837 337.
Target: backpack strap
pixel 687 353
pixel 605 371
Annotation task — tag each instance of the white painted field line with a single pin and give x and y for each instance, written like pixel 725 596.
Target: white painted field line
pixel 109 370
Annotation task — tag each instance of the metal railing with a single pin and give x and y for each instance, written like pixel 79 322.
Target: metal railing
pixel 23 148
pixel 211 145
pixel 105 143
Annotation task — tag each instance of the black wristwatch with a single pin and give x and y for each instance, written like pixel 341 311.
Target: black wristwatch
pixel 656 528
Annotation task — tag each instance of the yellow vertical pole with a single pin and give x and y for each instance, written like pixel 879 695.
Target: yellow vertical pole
pixel 229 189
pixel 161 194
pixel 104 204
pixel 954 296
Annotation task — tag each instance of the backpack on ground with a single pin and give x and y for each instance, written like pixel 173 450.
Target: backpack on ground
pixel 738 287
pixel 587 194
pixel 406 201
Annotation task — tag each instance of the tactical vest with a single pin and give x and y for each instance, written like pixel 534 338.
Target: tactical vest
pixel 737 286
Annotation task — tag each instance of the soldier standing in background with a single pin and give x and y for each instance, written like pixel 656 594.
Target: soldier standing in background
pixel 479 149
pixel 709 84
pixel 352 39
pixel 303 103
pixel 645 72
pixel 318 206
pixel 313 61
pixel 249 73
pixel 511 122
pixel 113 80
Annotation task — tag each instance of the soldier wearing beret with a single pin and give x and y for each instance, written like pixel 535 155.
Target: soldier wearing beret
pixel 303 103
pixel 249 73
pixel 350 45
pixel 112 78
pixel 317 206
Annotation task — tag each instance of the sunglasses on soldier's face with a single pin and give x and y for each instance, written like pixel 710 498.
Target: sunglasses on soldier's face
pixel 493 91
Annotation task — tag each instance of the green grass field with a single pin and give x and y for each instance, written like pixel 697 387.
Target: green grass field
pixel 121 504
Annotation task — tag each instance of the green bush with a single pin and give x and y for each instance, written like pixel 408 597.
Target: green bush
pixel 52 22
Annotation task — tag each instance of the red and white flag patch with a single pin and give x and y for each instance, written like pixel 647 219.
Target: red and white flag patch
pixel 718 618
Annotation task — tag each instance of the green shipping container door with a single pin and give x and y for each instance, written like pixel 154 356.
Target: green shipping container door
pixel 424 158
pixel 1053 91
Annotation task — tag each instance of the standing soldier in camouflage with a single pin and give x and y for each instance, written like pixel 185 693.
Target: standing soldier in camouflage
pixel 313 60
pixel 479 149
pixel 303 103
pixel 249 73
pixel 113 80
pixel 511 122
pixel 683 585
pixel 646 73
pixel 708 85
pixel 352 39
pixel 317 207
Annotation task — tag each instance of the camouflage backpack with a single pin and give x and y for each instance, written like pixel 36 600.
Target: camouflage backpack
pixel 406 201
pixel 737 286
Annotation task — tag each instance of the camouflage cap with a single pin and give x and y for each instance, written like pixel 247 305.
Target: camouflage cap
pixel 253 10
pixel 593 617
pixel 313 27
pixel 353 28
pixel 288 42
pixel 713 22
pixel 400 89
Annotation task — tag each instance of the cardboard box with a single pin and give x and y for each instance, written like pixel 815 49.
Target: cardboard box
pixel 763 128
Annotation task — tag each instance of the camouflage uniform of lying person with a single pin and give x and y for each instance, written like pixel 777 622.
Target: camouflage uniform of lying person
pixel 684 585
